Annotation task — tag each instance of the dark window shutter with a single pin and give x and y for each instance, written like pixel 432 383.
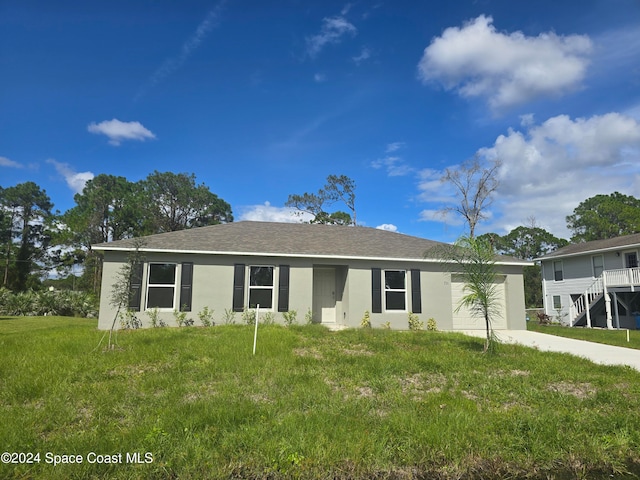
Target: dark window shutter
pixel 376 290
pixel 416 297
pixel 283 289
pixel 238 287
pixel 135 292
pixel 186 287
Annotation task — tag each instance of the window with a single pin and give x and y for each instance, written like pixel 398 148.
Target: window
pixel 161 287
pixel 395 290
pixel 631 259
pixel 558 275
pixel 557 303
pixel 260 287
pixel 598 265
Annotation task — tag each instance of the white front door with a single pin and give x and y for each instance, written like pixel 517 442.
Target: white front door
pixel 324 294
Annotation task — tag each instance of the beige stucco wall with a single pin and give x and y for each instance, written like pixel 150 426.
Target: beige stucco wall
pixel 213 287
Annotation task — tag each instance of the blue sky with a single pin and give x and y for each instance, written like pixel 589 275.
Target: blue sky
pixel 263 99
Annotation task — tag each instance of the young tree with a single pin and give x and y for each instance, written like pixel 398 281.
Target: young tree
pixel 474 260
pixel 474 184
pixel 604 216
pixel 122 290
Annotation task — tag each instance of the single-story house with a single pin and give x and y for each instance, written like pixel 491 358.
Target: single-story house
pixel 333 273
pixel 593 283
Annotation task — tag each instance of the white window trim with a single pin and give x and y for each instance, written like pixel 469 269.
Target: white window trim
pixel 251 287
pixel 625 257
pixel 176 287
pixel 593 267
pixel 561 269
pixel 385 290
pixel 553 302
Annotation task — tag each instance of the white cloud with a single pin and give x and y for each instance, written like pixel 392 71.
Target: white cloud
pixel 171 64
pixel 319 77
pixel 118 131
pixel 75 180
pixel 395 166
pixel 392 147
pixel 365 54
pixel 389 227
pixel 507 69
pixel 5 162
pixel 440 216
pixel 333 30
pixel 269 213
pixel 527 119
pixel 548 169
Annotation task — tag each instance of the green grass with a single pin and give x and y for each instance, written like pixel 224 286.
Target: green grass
pixel 311 404
pixel 610 337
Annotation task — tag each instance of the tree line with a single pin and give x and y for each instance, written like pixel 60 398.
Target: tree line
pixel 35 240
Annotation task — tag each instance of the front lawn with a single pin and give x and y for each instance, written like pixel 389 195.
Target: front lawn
pixel 617 338
pixel 194 403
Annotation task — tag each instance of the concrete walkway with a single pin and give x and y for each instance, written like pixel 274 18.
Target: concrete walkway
pixel 596 352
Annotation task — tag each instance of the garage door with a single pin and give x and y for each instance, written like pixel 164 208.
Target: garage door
pixel 464 319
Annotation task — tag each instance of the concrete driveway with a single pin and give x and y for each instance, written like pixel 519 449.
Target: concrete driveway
pixel 596 352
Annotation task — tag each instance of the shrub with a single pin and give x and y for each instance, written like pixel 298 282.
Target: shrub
pixel 366 320
pixel 386 325
pixel 154 316
pixel 290 317
pixel 58 302
pixel 308 317
pixel 414 322
pixel 268 318
pixel 432 326
pixel 206 317
pixel 181 318
pixel 229 317
pixel 249 316
pixel 21 304
pixel 128 320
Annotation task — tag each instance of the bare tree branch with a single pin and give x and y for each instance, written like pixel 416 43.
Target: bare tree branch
pixel 474 184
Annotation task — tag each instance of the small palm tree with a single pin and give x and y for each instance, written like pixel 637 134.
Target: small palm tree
pixel 474 260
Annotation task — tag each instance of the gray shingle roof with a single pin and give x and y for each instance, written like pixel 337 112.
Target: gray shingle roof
pixel 627 241
pixel 286 239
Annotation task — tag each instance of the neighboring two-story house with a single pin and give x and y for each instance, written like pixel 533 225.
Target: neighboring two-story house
pixel 593 284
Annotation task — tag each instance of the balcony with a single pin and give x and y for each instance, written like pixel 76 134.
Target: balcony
pixel 623 277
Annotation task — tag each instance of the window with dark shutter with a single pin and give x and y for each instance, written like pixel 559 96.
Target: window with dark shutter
pixel 376 290
pixel 416 296
pixel 135 292
pixel 186 286
pixel 283 288
pixel 238 287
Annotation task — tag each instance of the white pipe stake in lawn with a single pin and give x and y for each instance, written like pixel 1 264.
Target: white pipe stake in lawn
pixel 627 335
pixel 255 335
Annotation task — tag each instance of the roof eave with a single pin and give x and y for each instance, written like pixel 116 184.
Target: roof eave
pixel 293 255
pixel 587 252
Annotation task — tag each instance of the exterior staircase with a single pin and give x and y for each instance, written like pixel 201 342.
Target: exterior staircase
pixel 581 308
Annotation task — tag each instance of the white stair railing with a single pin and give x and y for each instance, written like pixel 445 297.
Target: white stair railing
pixel 584 301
